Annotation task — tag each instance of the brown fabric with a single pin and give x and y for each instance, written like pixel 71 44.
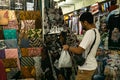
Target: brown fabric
pixel 3 17
pixel 84 74
pixel 10 63
pixel 31 15
pixel 24 52
pixel 28 71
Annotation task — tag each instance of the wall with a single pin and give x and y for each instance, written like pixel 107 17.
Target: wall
pixel 79 5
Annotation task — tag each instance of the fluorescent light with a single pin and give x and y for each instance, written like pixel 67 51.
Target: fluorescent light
pixel 56 0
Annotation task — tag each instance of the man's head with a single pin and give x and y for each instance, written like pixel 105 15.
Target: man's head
pixel 86 19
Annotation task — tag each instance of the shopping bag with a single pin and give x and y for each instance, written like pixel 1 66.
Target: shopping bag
pixel 65 60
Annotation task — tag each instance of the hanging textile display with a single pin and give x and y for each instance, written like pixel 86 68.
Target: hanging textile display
pixel 114 33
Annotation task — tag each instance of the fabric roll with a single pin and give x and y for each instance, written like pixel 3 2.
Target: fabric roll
pixel 2 54
pixel 27 61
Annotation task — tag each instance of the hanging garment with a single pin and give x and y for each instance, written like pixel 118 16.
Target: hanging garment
pixel 114 33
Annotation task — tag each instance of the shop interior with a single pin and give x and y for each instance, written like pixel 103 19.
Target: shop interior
pixel 32 33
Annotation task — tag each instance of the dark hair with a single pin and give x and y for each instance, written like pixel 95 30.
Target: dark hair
pixel 87 16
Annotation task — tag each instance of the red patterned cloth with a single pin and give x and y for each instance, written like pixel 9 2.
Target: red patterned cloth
pixel 3 75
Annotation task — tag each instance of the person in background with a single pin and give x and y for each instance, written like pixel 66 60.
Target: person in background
pixel 86 71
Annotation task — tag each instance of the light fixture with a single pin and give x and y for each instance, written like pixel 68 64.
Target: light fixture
pixel 56 0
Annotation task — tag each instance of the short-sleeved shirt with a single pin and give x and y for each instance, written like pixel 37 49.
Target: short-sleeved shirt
pixel 86 43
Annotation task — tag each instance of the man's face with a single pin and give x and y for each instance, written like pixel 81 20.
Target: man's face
pixel 83 25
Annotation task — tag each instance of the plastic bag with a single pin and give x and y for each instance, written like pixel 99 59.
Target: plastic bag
pixel 65 60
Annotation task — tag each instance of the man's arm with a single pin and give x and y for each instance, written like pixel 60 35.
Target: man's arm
pixel 75 50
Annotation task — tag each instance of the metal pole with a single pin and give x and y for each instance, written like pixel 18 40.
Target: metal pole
pixel 43 19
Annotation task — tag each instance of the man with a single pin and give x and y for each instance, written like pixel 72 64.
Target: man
pixel 86 71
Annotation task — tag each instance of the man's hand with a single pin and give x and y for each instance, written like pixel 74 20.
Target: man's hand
pixel 65 47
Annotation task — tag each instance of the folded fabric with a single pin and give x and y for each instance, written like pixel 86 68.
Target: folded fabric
pixel 2 54
pixel 1 34
pixel 24 52
pixel 11 15
pixel 11 25
pixel 27 24
pixel 2 44
pixel 27 61
pixel 34 51
pixel 35 33
pixel 10 63
pixel 29 15
pixel 11 43
pixel 3 17
pixel 28 72
pixel 12 53
pixel 10 34
pixel 24 43
pixel 35 42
